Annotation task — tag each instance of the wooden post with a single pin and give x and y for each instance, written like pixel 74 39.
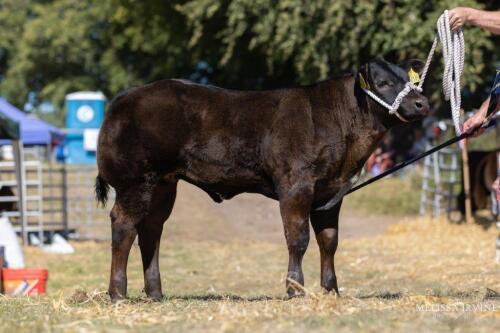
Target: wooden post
pixel 466 177
pixel 438 187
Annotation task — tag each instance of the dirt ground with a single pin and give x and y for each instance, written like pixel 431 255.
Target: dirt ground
pixel 251 217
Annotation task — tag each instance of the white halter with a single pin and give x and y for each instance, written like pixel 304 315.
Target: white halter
pixel 453 47
pixel 393 109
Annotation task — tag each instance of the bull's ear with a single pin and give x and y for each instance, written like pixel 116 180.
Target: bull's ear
pixel 414 69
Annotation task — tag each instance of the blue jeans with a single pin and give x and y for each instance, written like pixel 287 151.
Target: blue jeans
pixel 496 85
pixel 495 93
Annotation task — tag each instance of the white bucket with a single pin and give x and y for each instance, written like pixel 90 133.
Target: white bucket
pixel 8 239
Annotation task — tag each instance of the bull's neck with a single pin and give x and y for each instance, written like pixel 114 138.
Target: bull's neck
pixel 352 109
pixel 365 113
pixel 370 129
pixel 362 121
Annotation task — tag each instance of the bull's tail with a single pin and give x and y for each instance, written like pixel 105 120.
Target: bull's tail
pixel 101 190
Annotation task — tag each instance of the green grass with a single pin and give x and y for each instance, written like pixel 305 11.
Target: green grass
pixel 487 142
pixel 397 196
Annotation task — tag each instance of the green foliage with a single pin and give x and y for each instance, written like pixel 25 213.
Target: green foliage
pixel 68 45
pixel 308 41
pixel 52 47
pixel 13 14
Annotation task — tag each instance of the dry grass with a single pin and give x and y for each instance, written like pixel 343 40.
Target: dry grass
pixel 393 282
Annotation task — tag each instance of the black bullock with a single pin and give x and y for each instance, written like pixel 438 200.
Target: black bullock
pixel 301 146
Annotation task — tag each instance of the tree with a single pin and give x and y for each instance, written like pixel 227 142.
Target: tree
pixel 69 45
pixel 13 14
pixel 52 47
pixel 303 41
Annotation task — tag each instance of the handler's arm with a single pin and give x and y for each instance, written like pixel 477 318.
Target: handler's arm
pixel 477 119
pixel 480 18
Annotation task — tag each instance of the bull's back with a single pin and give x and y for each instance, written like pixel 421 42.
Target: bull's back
pixel 176 127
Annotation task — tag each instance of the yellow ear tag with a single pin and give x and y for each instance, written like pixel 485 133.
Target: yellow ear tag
pixel 363 83
pixel 413 76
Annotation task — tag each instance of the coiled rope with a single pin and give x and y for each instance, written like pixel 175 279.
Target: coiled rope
pixel 453 48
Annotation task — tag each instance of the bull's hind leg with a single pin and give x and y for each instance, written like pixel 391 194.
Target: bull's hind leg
pixel 326 227
pixel 294 206
pixel 150 230
pixel 131 207
pixel 123 233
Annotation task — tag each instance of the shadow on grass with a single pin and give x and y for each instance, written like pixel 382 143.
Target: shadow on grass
pixel 208 297
pixel 382 295
pixel 482 294
pixel 223 297
pixel 485 222
pixel 482 217
pixel 81 297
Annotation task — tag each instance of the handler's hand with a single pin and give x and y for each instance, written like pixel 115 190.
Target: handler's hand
pixel 496 185
pixel 458 17
pixel 476 121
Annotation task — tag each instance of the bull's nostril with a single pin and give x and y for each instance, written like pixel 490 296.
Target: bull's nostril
pixel 419 105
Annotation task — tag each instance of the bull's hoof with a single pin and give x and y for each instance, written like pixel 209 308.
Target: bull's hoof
pixel 155 296
pixel 295 285
pixel 116 296
pixel 294 293
pixel 332 292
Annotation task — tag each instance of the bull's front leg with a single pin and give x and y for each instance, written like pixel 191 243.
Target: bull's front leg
pixel 295 204
pixel 326 228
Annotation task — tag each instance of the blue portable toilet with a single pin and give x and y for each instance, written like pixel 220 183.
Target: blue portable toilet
pixel 85 113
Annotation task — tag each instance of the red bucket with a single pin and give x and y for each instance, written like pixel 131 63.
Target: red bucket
pixel 24 282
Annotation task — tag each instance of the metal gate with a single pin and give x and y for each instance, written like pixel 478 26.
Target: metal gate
pixel 33 222
pixel 441 175
pixel 70 201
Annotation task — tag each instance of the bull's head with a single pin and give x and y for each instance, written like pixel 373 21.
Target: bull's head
pixel 387 80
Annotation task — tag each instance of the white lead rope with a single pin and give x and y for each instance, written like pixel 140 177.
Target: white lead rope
pixel 453 47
